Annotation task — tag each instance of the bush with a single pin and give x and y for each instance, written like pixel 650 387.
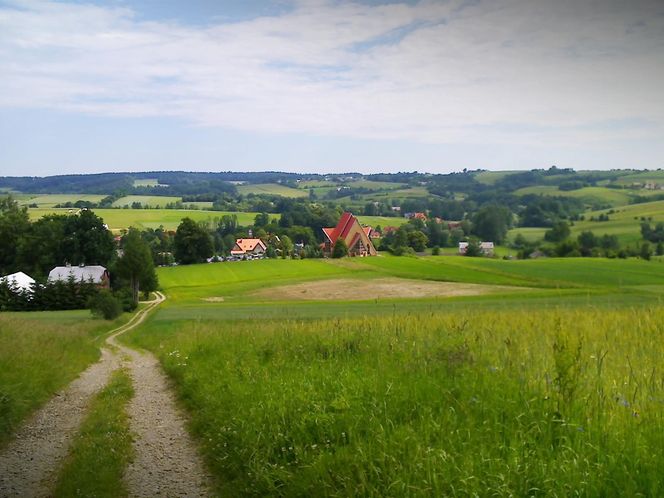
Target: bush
pixel 435 251
pixel 105 305
pixel 340 249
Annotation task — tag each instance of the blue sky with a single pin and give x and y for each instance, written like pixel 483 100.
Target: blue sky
pixel 330 85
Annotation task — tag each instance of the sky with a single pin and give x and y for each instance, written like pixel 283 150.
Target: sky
pixel 330 85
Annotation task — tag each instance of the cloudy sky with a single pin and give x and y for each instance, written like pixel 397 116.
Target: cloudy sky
pixel 330 85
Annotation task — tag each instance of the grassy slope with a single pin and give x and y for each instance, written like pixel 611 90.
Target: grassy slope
pixel 271 189
pixel 41 352
pixel 50 200
pixel 491 177
pixel 624 223
pixel 589 195
pixel 150 200
pixel 150 218
pixel 427 404
pixel 103 447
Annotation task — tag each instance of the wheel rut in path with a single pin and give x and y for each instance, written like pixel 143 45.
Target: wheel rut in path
pixel 166 460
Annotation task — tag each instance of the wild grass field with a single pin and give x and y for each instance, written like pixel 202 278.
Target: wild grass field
pixel 41 352
pixel 504 403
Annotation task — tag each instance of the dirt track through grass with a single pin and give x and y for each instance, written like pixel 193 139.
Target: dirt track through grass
pixel 166 463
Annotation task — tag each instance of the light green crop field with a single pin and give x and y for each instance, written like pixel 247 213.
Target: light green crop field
pixel 271 189
pixel 625 223
pixel 146 182
pixel 374 185
pixel 491 177
pixel 589 195
pixel 383 221
pixel 149 200
pixel 118 219
pixel 50 200
pixel 472 403
pixel 40 352
pixel 642 177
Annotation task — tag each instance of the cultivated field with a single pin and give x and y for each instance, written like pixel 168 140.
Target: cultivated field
pixel 590 195
pixel 50 200
pixel 118 219
pixel 271 189
pixel 146 200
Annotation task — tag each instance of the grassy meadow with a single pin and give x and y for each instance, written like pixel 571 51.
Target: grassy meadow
pixel 50 200
pixel 624 222
pixel 40 353
pixel 505 402
pixel 271 189
pixel 155 201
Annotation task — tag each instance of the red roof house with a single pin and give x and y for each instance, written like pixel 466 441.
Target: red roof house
pixel 248 246
pixel 350 231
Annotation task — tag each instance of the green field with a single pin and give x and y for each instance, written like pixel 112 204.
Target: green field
pixel 50 200
pixel 149 200
pixel 383 221
pixel 625 223
pixel 551 386
pixel 146 182
pixel 271 189
pixel 41 352
pixel 589 195
pixel 118 219
pixel 491 177
pixel 642 177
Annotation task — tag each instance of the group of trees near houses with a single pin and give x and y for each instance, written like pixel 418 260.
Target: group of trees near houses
pixel 35 248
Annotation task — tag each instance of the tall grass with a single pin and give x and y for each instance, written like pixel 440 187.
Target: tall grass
pixel 39 354
pixel 490 403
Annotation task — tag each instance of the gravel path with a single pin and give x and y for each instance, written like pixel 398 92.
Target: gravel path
pixel 28 463
pixel 166 461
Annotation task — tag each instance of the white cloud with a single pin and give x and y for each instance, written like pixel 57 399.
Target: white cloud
pixel 500 71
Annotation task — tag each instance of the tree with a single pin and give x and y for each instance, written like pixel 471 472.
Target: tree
pixel 646 251
pixel 105 304
pixel 340 249
pixel 262 220
pixel 286 246
pixel 558 232
pixel 492 222
pixel 417 240
pixel 14 224
pixel 192 242
pixel 473 250
pixel 136 264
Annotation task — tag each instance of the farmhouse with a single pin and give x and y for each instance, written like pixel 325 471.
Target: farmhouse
pixel 244 247
pixel 20 281
pixel 352 233
pixel 486 248
pixel 98 275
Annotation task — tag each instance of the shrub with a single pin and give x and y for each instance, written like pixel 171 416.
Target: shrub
pixel 105 305
pixel 340 249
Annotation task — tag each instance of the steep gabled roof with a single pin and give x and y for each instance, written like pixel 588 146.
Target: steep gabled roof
pixel 247 245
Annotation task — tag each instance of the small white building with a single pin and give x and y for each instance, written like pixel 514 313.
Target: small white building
pixel 486 248
pixel 20 281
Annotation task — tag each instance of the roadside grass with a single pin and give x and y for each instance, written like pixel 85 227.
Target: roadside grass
pixel 505 402
pixel 40 353
pixel 118 219
pixel 103 448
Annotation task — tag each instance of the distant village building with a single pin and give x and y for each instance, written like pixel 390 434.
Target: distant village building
pixel 19 281
pixel 96 274
pixel 352 233
pixel 389 229
pixel 245 247
pixel 486 248
pixel 416 216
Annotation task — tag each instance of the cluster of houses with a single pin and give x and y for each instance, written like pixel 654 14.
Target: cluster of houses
pixel 96 274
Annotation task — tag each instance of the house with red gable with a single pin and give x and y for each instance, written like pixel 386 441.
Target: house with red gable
pixel 352 233
pixel 243 247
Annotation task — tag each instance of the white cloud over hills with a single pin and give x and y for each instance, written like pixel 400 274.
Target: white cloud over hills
pixel 501 71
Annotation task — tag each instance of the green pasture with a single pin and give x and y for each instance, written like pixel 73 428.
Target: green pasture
pixel 553 402
pixel 118 219
pixel 271 189
pixel 41 352
pixel 50 200
pixel 625 223
pixel 588 195
pixel 383 221
pixel 642 177
pixel 154 201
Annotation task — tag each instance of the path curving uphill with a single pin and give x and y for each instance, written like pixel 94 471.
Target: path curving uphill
pixel 166 463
